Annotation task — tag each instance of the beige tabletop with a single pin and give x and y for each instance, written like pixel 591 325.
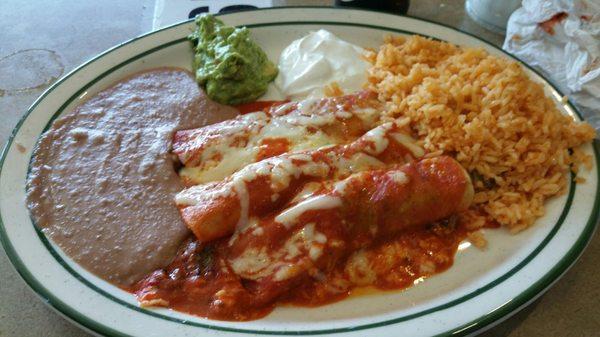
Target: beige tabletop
pixel 42 40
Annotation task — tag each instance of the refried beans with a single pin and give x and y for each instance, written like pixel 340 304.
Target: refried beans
pixel 102 178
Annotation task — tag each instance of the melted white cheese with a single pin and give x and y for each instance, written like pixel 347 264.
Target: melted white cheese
pixel 284 272
pixel 315 252
pixel 340 186
pixel 281 170
pixel 232 159
pixel 290 215
pixel 242 193
pixel 378 139
pixel 307 191
pixel 409 143
pixel 252 263
pixel 357 163
pixel 300 127
pixel 281 264
pixel 398 177
pixel 359 269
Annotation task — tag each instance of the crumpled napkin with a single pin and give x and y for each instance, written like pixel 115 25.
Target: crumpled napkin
pixel 561 38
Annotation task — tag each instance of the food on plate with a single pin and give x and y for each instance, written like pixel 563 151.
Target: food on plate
pixel 219 208
pixel 487 113
pixel 102 181
pixel 213 152
pixel 230 67
pixel 305 242
pixel 356 169
pixel 308 65
pixel 313 234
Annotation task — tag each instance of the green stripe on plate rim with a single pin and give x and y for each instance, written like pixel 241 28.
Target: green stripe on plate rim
pixel 487 319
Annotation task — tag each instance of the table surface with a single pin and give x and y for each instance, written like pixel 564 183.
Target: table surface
pixel 72 32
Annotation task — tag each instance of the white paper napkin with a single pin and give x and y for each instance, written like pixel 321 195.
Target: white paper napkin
pixel 561 38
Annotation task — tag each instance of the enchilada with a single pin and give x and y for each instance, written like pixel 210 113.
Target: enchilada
pixel 289 254
pixel 214 209
pixel 213 152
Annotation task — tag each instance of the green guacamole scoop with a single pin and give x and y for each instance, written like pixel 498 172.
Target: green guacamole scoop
pixel 230 67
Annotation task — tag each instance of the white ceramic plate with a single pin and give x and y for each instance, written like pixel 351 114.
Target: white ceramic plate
pixel 481 289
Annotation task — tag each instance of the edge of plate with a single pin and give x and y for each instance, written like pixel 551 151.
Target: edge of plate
pixel 478 324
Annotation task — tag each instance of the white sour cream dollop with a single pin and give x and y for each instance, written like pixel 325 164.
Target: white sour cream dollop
pixel 318 59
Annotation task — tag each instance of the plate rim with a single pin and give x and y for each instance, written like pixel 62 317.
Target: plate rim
pixel 483 321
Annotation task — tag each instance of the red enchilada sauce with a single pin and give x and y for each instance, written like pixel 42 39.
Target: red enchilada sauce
pixel 257 106
pixel 387 245
pixel 271 147
pixel 200 282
